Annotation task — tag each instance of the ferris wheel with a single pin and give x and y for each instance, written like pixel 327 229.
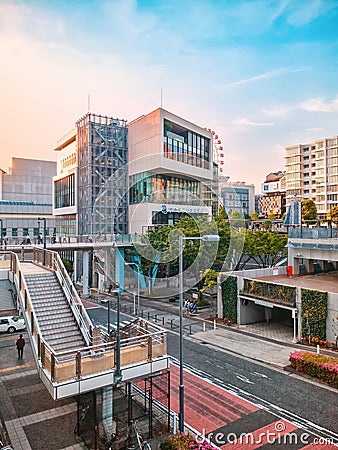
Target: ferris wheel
pixel 218 151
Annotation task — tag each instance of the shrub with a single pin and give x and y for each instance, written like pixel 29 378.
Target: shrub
pixel 184 442
pixel 320 366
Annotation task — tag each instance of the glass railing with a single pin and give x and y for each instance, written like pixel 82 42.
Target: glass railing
pixel 313 233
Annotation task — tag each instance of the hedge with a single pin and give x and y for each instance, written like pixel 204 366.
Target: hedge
pixel 229 298
pixel 282 294
pixel 320 366
pixel 184 442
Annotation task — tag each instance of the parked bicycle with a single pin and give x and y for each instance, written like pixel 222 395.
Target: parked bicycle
pixel 142 444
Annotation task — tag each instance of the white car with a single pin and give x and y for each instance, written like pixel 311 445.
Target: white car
pixel 10 324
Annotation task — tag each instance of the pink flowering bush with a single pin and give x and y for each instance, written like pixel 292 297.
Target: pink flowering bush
pixel 184 442
pixel 320 366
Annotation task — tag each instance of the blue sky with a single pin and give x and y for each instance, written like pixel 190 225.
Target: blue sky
pixel 262 74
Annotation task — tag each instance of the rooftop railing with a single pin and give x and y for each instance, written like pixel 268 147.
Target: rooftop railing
pixel 313 233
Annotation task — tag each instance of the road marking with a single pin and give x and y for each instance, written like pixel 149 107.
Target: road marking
pixel 260 375
pixel 277 411
pixel 243 378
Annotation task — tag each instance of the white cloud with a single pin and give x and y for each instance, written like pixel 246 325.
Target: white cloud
pixel 320 104
pixel 302 13
pixel 267 75
pixel 246 122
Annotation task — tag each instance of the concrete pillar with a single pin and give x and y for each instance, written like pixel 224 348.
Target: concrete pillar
pixel 108 423
pixel 119 267
pixel 290 256
pixel 296 266
pixel 75 266
pixel 310 266
pixel 108 266
pixel 85 272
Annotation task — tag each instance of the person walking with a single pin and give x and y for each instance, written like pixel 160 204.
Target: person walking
pixel 20 343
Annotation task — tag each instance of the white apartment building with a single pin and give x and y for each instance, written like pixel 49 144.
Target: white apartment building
pixel 312 172
pixel 171 170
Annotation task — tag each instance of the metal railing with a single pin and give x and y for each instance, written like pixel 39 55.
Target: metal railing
pixel 140 340
pixel 11 241
pixel 26 304
pixel 313 233
pixel 53 261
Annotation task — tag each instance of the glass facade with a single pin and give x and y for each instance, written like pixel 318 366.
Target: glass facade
pixel 150 188
pixel 65 192
pixel 185 146
pixel 159 218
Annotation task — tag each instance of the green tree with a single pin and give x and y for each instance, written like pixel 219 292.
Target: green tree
pixel 68 265
pixel 254 215
pixel 267 224
pixel 266 248
pixel 309 210
pixel 210 278
pixel 333 214
pixel 237 219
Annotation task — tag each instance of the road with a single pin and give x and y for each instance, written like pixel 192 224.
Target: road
pixel 275 394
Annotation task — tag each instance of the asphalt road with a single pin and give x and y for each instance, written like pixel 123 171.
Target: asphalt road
pixel 294 399
pixel 312 407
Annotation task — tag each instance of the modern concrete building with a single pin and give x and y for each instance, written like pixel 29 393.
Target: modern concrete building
pixel 312 172
pixel 25 195
pixel 237 196
pixel 272 200
pixel 171 170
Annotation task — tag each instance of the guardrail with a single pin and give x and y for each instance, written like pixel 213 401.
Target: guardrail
pixel 75 364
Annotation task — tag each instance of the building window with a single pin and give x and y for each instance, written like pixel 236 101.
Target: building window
pixel 14 231
pixel 65 192
pixel 164 189
pixel 185 146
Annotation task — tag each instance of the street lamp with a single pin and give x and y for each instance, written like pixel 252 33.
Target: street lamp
pixel 116 290
pixel 205 238
pixel 138 286
pixel 44 238
pixel 1 239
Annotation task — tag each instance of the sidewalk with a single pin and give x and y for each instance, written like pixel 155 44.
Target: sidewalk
pixel 255 348
pixel 33 420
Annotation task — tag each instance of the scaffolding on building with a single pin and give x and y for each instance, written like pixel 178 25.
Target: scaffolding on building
pixel 102 175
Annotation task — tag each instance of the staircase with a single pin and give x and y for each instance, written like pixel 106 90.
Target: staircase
pixel 55 318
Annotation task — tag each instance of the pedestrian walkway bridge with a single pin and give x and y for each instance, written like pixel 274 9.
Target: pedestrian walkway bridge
pixel 73 356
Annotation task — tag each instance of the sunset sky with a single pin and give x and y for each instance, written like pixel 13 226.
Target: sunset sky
pixel 262 73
